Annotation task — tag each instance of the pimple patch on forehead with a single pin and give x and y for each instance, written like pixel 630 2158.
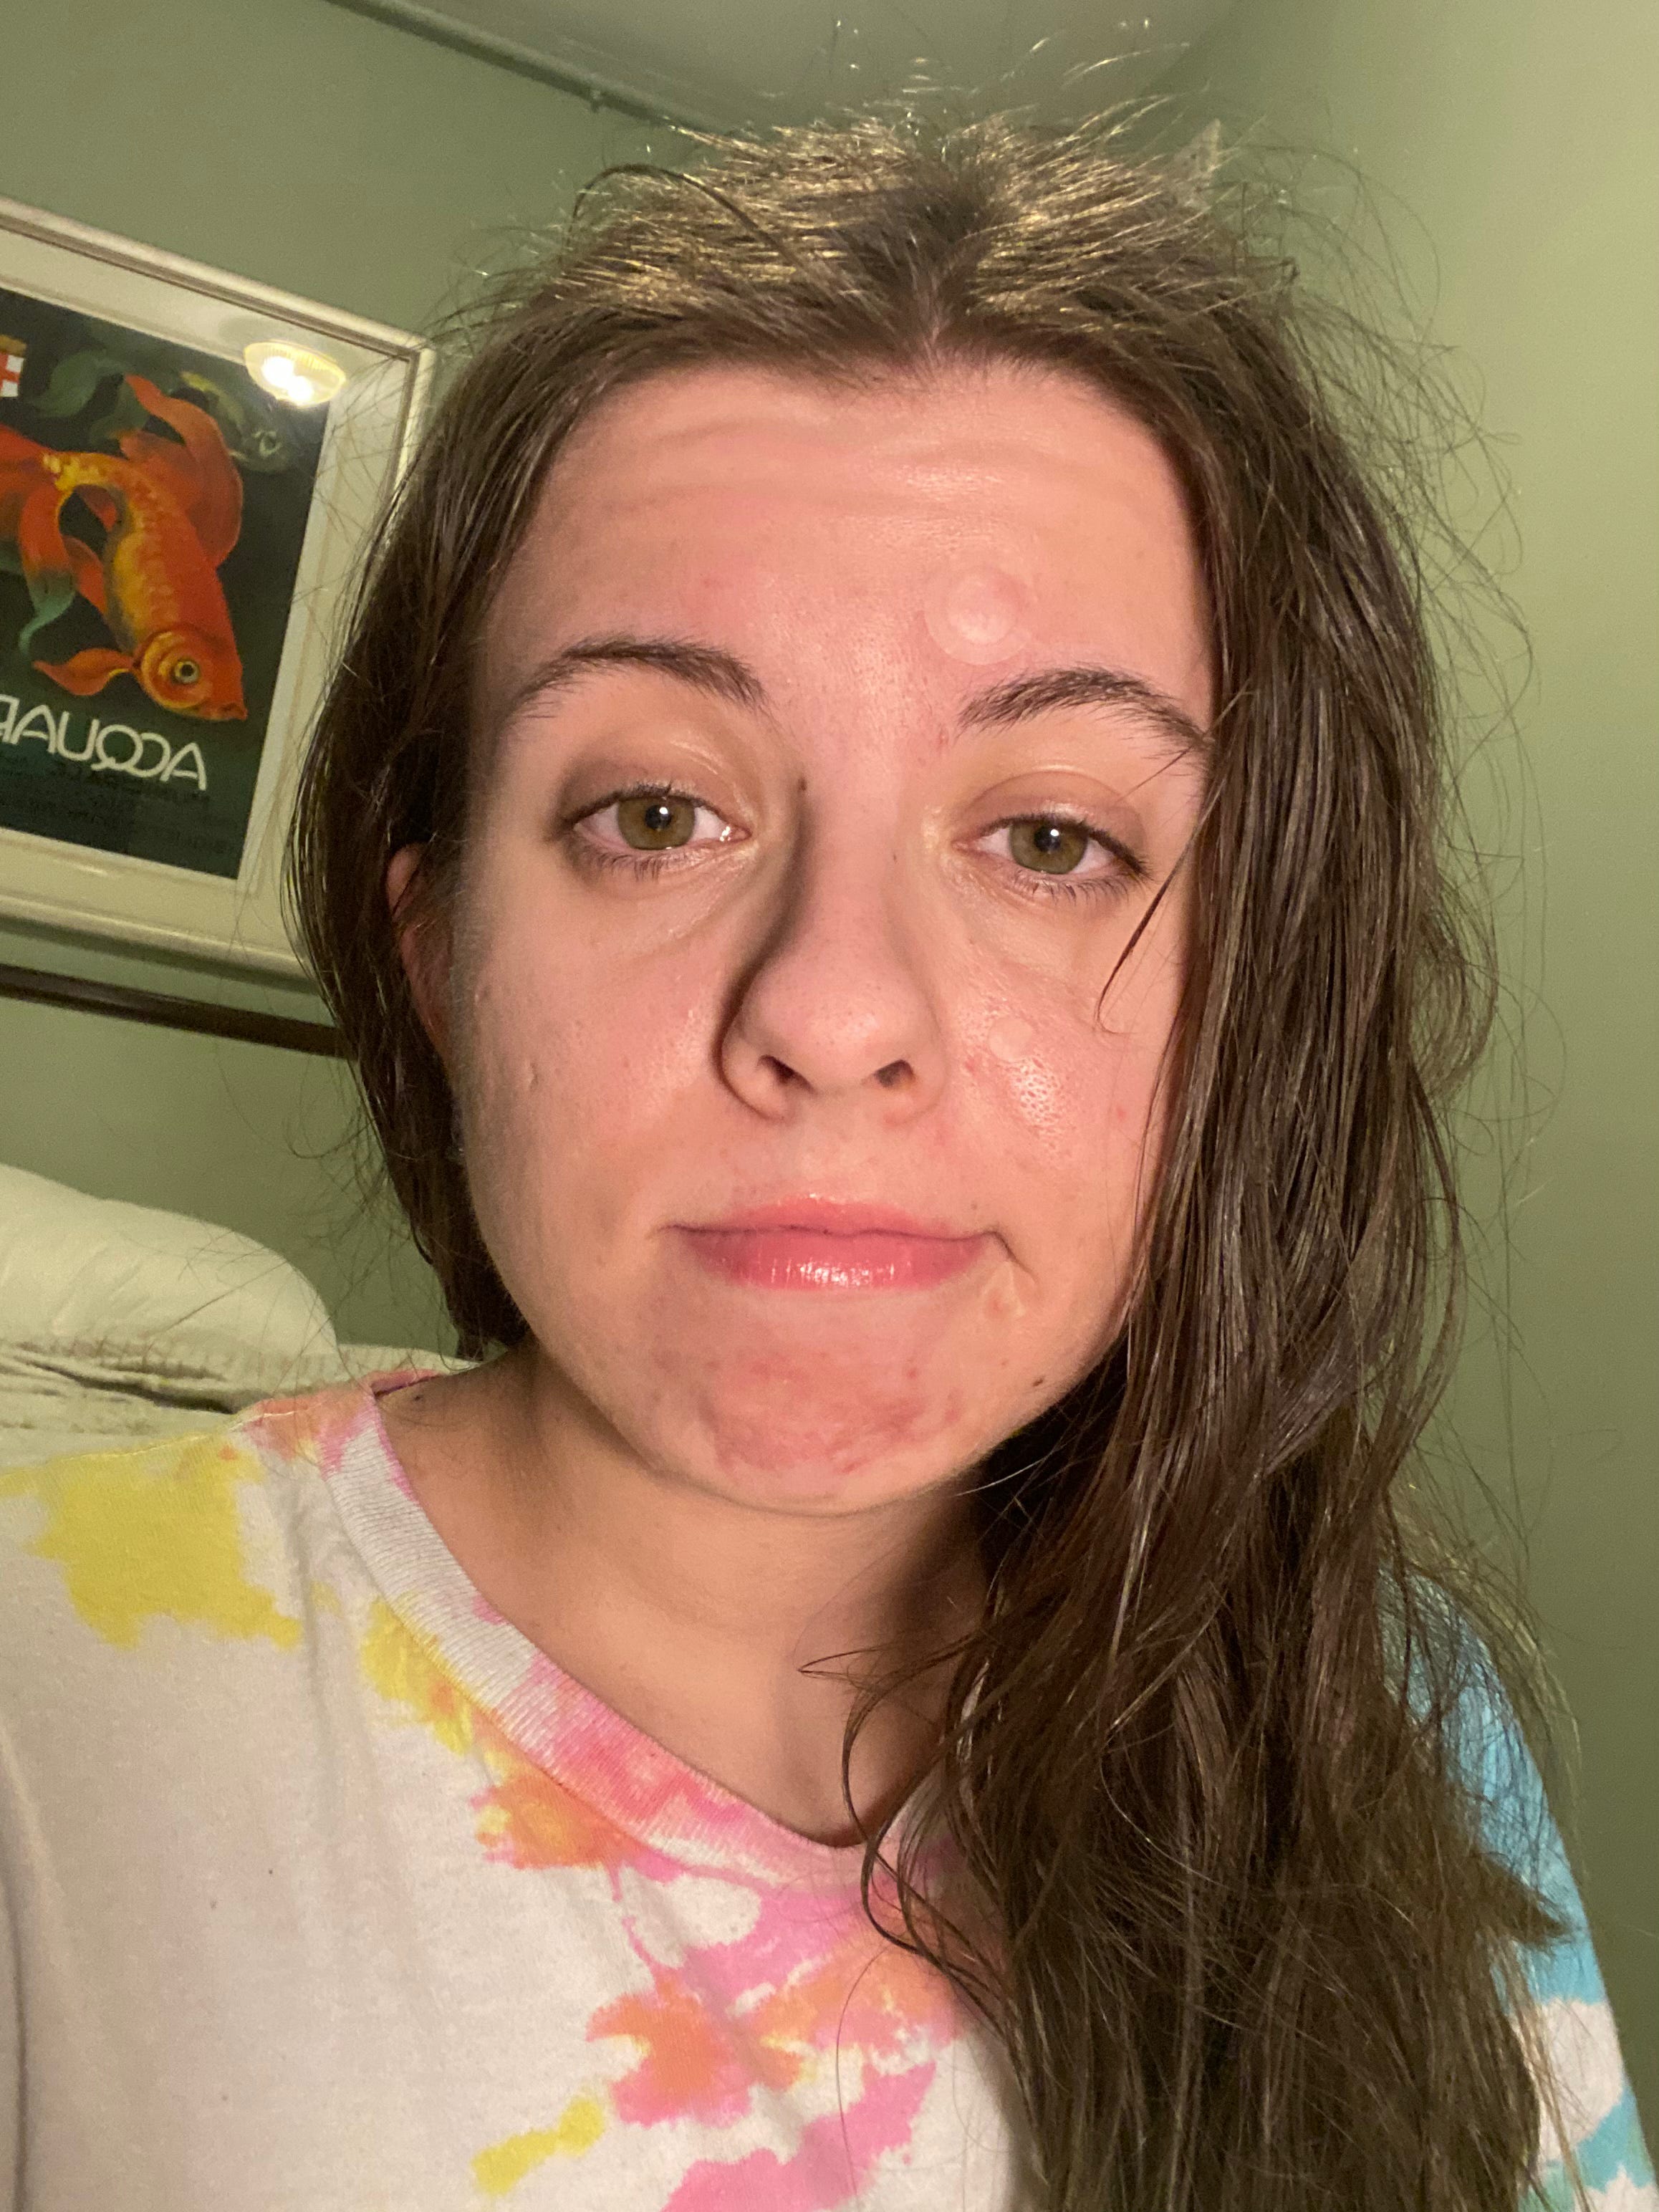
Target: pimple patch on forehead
pixel 977 614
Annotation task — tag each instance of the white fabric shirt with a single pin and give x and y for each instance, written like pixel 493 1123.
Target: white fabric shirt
pixel 325 1891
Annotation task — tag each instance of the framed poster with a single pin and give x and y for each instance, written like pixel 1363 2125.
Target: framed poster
pixel 190 465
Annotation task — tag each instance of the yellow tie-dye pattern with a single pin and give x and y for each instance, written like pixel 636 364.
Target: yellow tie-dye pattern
pixel 525 1818
pixel 152 1534
pixel 504 2165
pixel 396 1665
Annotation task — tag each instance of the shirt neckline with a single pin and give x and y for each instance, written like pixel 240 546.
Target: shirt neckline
pixel 633 1782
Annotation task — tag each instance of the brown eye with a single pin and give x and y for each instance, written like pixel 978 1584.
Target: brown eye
pixel 1054 848
pixel 656 822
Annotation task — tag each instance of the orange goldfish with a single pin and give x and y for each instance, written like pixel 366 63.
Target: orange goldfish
pixel 171 513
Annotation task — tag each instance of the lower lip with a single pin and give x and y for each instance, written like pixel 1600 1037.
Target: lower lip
pixel 812 1260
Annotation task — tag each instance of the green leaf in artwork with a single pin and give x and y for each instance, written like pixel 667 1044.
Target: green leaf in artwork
pixel 53 594
pixel 76 379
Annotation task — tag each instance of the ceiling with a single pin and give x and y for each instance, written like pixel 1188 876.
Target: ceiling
pixel 720 63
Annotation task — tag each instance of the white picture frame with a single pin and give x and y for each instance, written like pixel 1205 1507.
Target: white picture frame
pixel 66 869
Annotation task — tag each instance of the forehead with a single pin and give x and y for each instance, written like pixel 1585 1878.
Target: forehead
pixel 779 511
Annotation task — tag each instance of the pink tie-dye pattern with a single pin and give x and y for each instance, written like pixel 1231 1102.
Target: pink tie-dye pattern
pixel 809 1976
pixel 568 1731
pixel 692 2069
pixel 834 2160
pixel 318 1429
pixel 809 1992
pixel 760 2011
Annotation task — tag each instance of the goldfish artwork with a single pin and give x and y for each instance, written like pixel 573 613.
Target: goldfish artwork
pixel 155 503
pixel 139 534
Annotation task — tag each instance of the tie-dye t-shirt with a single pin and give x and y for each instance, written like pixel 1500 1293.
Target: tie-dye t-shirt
pixel 325 1891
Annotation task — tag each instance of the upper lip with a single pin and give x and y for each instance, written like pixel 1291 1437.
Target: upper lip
pixel 836 1217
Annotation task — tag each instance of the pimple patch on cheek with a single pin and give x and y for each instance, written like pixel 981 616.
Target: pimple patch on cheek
pixel 1010 1037
pixel 1021 1068
pixel 977 614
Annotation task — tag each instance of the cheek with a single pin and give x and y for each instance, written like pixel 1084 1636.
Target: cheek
pixel 556 1088
pixel 1069 1116
pixel 1069 1090
pixel 1039 1086
pixel 1068 1079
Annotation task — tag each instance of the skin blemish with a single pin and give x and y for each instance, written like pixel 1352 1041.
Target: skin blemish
pixel 976 614
pixel 826 1436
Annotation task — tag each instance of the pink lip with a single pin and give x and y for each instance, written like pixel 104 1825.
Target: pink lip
pixel 814 1245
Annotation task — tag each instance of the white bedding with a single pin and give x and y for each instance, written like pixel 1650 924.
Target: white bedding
pixel 120 1322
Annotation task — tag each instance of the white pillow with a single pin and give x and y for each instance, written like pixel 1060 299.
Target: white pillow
pixel 125 1297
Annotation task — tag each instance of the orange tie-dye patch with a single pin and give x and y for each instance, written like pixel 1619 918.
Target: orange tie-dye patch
pixel 525 1818
pixel 866 1994
pixel 691 2067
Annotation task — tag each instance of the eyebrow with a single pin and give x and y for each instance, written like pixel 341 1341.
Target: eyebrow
pixel 1091 685
pixel 708 668
pixel 705 667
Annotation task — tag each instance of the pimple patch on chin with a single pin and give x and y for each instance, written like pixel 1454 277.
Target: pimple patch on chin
pixel 976 614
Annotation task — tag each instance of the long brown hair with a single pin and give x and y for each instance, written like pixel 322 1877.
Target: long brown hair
pixel 1203 1767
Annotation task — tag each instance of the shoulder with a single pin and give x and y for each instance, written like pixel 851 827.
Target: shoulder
pixel 1569 2023
pixel 178 1621
pixel 210 1530
pixel 1448 1665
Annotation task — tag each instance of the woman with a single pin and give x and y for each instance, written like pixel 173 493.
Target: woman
pixel 876 845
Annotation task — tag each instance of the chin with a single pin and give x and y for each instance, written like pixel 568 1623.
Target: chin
pixel 829 1456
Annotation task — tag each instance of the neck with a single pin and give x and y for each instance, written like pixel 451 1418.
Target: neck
pixel 730 1633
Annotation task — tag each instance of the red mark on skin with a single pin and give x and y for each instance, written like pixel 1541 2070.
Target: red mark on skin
pixel 831 2166
pixel 788 1416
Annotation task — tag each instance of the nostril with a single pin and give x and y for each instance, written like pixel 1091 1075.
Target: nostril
pixel 893 1073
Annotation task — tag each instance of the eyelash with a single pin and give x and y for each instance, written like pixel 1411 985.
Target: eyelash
pixel 647 866
pixel 1112 882
pixel 641 866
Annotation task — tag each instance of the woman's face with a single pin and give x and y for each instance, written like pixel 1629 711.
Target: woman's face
pixel 908 684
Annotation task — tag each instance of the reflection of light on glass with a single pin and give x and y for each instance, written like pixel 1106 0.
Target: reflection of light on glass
pixel 293 374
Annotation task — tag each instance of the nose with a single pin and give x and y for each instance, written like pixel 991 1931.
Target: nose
pixel 837 1000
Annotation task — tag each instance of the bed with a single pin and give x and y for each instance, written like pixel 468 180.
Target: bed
pixel 119 1323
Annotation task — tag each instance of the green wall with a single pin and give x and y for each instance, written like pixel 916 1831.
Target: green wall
pixel 326 154
pixel 1509 150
